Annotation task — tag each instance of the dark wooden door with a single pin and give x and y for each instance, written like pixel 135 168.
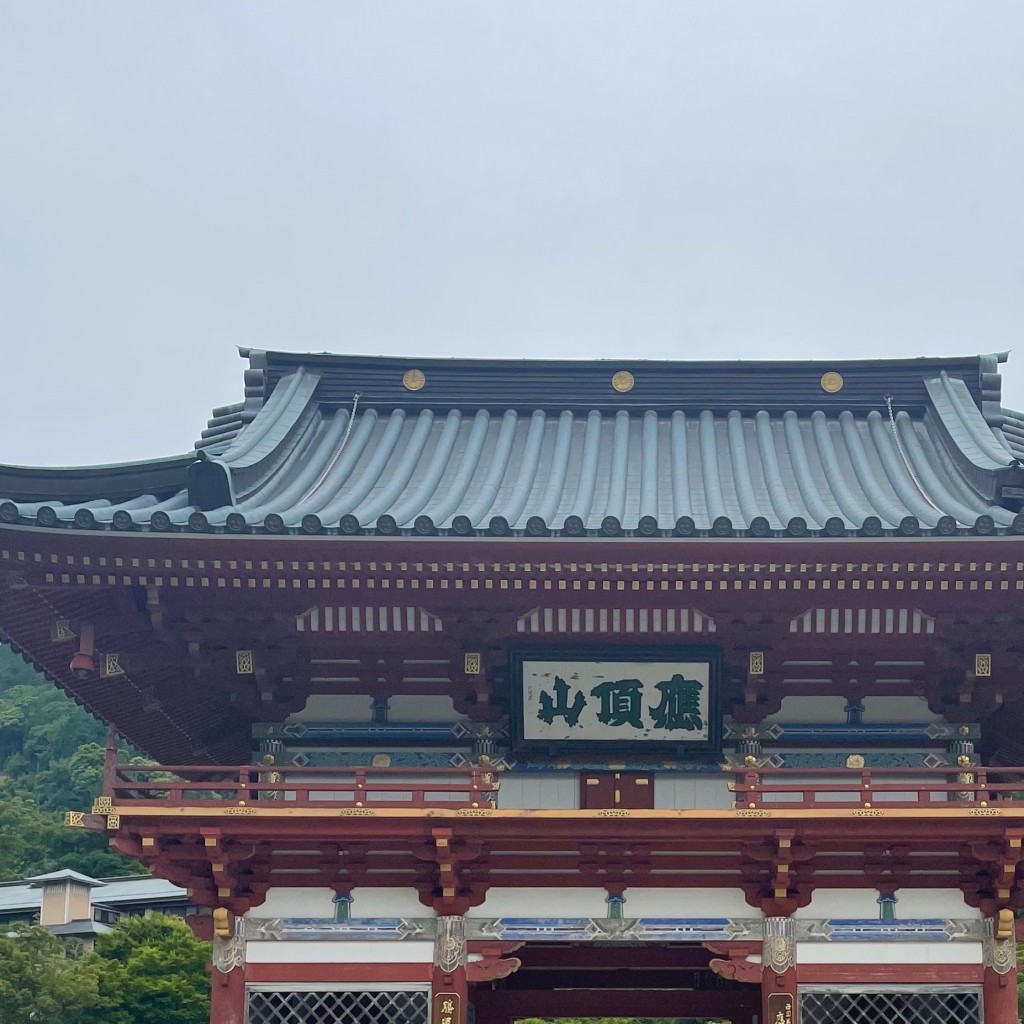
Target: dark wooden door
pixel 625 790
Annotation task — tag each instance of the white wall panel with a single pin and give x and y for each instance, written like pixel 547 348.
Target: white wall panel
pixel 369 901
pixel 934 903
pixel 687 903
pixel 832 709
pixel 888 953
pixel 539 792
pixel 339 952
pixel 422 709
pixel 678 791
pixel 337 707
pixel 811 709
pixel 843 903
pixel 542 902
pixel 346 707
pixel 293 901
pixel 911 903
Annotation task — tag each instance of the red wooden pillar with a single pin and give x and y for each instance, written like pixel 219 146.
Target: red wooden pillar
pixel 778 978
pixel 227 996
pixel 449 996
pixel 227 971
pixel 1000 995
pixel 448 987
pixel 999 981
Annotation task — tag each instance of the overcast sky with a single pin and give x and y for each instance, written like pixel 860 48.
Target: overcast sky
pixel 729 179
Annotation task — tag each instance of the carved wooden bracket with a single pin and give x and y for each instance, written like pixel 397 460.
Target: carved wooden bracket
pixel 736 966
pixel 781 892
pixel 996 885
pixel 451 890
pixel 493 966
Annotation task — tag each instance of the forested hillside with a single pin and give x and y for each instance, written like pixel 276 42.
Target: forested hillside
pixel 51 761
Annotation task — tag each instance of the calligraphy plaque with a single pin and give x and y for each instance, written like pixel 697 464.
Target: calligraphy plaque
pixel 447 1008
pixel 780 1008
pixel 645 699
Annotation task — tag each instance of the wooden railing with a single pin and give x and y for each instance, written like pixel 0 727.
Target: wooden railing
pixel 477 786
pixel 849 788
pixel 177 785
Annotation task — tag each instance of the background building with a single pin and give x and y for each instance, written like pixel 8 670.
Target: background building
pixel 69 903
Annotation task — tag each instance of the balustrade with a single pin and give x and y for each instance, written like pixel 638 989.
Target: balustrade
pixel 177 785
pixel 477 786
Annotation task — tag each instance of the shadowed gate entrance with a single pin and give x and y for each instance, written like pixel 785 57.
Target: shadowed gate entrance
pixel 608 981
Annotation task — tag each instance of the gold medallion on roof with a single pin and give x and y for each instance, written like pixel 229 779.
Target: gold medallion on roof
pixel 832 382
pixel 623 381
pixel 413 380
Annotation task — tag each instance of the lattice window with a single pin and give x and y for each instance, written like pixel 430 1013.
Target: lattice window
pixel 890 1007
pixel 281 1007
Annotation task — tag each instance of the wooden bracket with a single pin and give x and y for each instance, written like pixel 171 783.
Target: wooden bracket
pixel 735 966
pixel 493 965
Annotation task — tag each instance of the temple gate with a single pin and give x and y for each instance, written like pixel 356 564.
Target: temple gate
pixel 512 688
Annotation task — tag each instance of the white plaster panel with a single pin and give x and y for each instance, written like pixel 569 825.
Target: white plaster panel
pixel 898 709
pixel 539 792
pixel 339 952
pixel 863 904
pixel 295 901
pixel 877 710
pixel 888 953
pixel 334 707
pixel 370 901
pixel 356 707
pixel 422 709
pixel 811 709
pixel 687 903
pixel 679 791
pixel 543 902
pixel 859 904
pixel 934 903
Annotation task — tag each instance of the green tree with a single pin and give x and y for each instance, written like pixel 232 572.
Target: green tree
pixel 146 971
pixel 155 972
pixel 41 984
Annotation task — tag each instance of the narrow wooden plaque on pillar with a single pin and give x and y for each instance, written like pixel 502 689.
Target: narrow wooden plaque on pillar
pixel 780 1009
pixel 447 1008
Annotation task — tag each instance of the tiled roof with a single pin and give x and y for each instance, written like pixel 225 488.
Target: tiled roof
pixel 19 897
pixel 338 445
pixel 64 875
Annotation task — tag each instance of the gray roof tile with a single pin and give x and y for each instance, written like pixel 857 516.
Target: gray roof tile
pixel 309 463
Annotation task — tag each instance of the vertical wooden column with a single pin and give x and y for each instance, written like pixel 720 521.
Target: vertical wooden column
pixel 448 986
pixel 227 996
pixel 778 979
pixel 227 975
pixel 999 985
pixel 110 763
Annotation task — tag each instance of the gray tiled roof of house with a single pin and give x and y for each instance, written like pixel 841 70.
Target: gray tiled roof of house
pixel 24 896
